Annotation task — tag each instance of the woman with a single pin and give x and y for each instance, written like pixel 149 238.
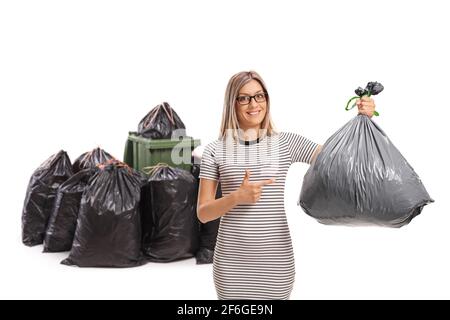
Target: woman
pixel 253 257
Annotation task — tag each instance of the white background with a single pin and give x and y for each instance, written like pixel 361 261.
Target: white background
pixel 79 74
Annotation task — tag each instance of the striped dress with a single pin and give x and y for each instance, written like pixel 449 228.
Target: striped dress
pixel 253 257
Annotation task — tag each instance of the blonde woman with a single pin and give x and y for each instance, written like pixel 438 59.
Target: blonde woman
pixel 253 257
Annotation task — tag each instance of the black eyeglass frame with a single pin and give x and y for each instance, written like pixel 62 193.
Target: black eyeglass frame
pixel 253 97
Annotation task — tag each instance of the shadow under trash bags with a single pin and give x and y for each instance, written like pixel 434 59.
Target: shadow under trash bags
pixel 360 178
pixel 169 215
pixel 40 196
pixel 108 232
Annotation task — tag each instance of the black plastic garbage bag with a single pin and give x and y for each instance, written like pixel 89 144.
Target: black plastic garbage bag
pixel 208 231
pixel 108 232
pixel 40 196
pixel 63 220
pixel 91 159
pixel 360 178
pixel 170 224
pixel 161 122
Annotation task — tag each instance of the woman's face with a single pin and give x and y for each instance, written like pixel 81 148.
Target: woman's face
pixel 251 115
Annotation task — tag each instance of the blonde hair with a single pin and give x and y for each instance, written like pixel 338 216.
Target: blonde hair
pixel 229 117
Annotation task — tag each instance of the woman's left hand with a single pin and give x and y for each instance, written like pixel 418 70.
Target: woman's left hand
pixel 366 105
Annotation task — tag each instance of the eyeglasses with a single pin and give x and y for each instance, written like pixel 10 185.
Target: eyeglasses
pixel 244 100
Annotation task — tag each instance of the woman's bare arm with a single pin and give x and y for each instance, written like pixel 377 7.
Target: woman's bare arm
pixel 208 207
pixel 316 153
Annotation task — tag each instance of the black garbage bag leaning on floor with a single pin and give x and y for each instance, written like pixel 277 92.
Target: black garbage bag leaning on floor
pixel 63 220
pixel 40 196
pixel 91 159
pixel 108 232
pixel 360 178
pixel 170 224
pixel 161 122
pixel 208 231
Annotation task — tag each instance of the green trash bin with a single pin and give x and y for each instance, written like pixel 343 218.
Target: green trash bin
pixel 142 152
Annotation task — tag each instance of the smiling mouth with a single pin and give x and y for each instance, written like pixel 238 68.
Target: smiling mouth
pixel 253 113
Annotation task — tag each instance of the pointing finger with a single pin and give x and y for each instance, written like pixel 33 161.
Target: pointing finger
pixel 264 182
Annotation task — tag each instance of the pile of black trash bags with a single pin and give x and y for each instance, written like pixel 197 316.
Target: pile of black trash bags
pixel 110 215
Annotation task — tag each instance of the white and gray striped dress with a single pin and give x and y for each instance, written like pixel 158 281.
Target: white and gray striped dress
pixel 253 258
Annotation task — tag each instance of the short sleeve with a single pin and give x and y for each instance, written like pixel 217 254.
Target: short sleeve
pixel 300 148
pixel 209 168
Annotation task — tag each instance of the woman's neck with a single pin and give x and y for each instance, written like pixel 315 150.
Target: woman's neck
pixel 249 134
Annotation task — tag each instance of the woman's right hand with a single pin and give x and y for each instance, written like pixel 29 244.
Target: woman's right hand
pixel 250 192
